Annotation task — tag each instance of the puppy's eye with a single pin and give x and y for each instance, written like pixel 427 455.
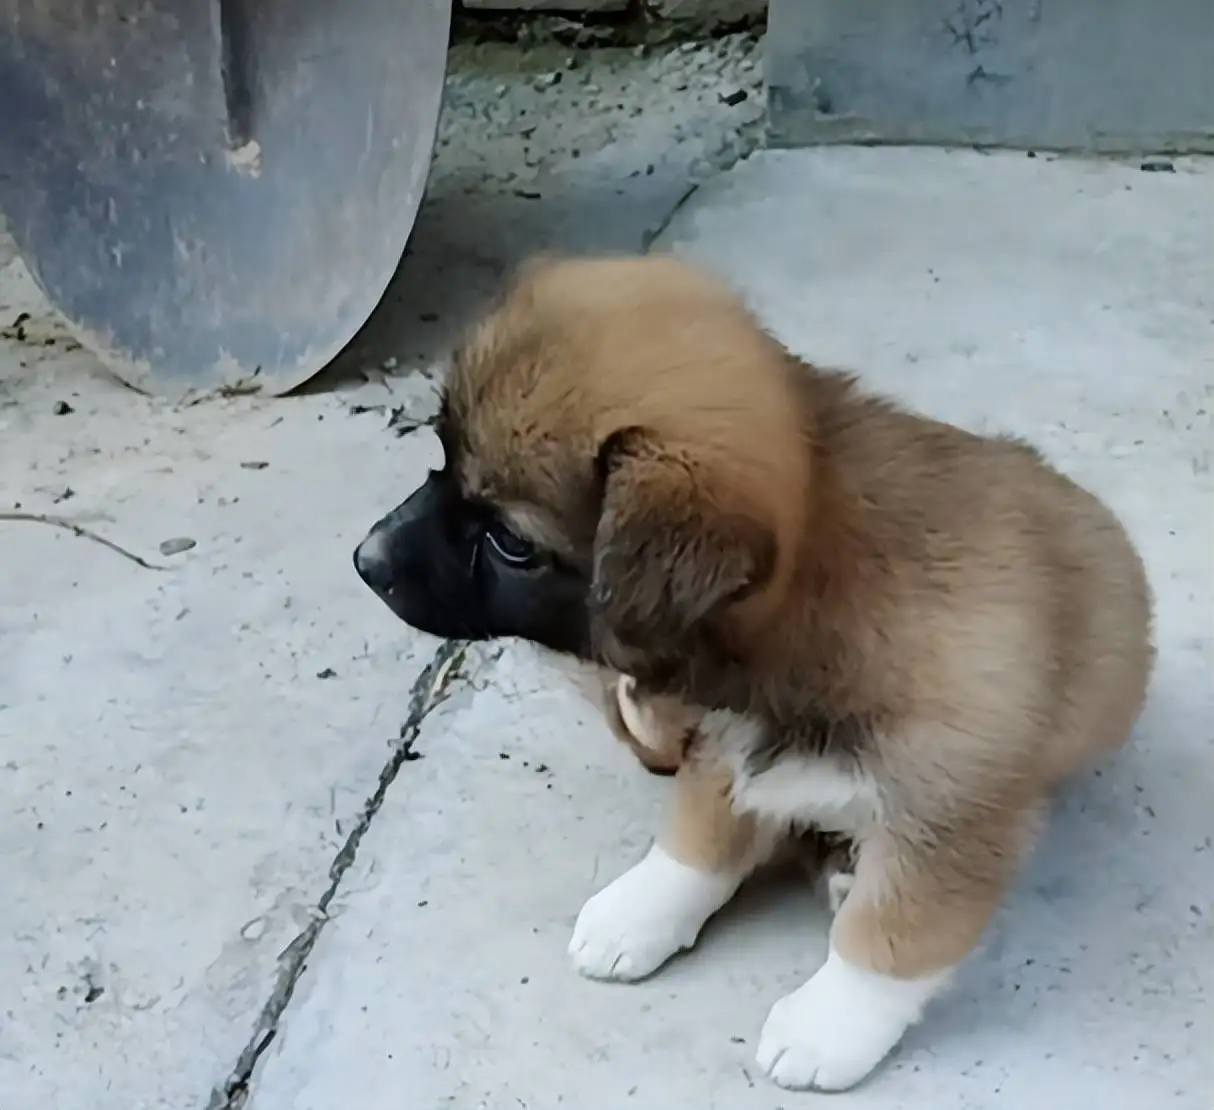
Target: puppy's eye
pixel 508 546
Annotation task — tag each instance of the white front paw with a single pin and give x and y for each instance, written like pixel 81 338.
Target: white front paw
pixel 830 1033
pixel 636 721
pixel 632 927
pixel 638 717
pixel 838 887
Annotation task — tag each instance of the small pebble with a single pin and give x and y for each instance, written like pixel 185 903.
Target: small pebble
pixel 177 545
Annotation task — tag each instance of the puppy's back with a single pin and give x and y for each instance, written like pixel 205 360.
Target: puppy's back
pixel 979 585
pixel 1103 609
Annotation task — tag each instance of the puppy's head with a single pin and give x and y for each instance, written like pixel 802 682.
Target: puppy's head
pixel 625 474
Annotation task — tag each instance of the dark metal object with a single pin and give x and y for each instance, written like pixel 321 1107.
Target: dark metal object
pixel 215 193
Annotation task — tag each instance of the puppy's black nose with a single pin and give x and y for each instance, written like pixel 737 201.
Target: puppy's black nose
pixel 373 565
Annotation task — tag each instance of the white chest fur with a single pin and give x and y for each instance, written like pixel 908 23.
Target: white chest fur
pixel 824 791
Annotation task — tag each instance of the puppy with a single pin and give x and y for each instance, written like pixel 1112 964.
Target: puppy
pixel 894 632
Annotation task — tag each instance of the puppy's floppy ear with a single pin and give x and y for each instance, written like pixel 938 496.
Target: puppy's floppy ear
pixel 667 552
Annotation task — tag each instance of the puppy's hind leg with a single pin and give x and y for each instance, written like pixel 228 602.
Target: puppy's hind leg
pixel 917 907
pixel 829 862
pixel 656 909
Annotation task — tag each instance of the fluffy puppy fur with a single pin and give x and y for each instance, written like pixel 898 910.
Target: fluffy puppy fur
pixel 892 631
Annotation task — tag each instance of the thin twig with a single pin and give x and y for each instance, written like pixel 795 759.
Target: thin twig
pixel 84 534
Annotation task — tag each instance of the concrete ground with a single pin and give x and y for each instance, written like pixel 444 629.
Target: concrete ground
pixel 264 847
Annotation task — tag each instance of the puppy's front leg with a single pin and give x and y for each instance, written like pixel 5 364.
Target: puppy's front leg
pixel 917 907
pixel 634 925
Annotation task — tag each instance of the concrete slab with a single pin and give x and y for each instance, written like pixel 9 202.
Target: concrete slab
pixel 182 752
pixel 188 758
pixel 1069 302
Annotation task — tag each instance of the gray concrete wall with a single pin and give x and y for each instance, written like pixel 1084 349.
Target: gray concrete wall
pixel 697 14
pixel 1093 75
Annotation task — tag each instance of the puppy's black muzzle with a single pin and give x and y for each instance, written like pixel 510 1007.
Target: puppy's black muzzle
pixel 420 562
pixel 429 562
pixel 382 559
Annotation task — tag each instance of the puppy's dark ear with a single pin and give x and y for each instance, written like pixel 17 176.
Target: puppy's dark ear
pixel 668 553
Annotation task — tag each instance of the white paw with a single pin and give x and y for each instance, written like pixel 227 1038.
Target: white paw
pixel 637 718
pixel 830 1033
pixel 838 887
pixel 632 927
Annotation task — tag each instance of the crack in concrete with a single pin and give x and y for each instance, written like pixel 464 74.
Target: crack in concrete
pixel 429 691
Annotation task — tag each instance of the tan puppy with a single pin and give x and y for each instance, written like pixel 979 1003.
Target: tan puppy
pixel 893 630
